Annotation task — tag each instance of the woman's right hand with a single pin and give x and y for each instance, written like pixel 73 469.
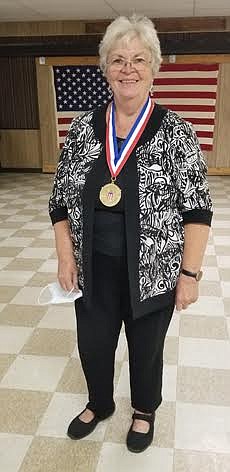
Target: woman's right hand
pixel 68 273
pixel 67 267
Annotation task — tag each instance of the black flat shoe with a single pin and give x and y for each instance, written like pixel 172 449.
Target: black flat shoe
pixel 138 442
pixel 78 429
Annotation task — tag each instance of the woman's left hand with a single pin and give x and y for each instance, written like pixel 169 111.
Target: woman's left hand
pixel 187 292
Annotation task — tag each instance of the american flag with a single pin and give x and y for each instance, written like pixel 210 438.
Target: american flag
pixel 188 89
pixel 78 89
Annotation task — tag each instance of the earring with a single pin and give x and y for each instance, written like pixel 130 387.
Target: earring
pixel 151 90
pixel 110 93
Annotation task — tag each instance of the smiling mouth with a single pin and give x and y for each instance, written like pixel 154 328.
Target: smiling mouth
pixel 128 81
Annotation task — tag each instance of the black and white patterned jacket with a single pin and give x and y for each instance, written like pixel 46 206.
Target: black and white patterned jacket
pixel 165 188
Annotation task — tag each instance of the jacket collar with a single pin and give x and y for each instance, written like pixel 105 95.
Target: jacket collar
pixel 99 122
pixel 153 125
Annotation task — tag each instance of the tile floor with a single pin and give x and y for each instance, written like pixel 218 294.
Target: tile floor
pixel 41 383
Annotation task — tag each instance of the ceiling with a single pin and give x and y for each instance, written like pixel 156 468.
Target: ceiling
pixel 45 10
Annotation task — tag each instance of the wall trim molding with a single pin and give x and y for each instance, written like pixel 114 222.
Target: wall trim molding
pixel 21 170
pixel 219 171
pixel 87 44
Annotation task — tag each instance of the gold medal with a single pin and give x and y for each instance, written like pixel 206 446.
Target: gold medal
pixel 110 194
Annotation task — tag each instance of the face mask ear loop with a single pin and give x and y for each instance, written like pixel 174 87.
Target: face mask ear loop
pixel 69 293
pixel 39 296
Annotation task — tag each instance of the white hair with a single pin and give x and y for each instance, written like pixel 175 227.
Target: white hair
pixel 128 28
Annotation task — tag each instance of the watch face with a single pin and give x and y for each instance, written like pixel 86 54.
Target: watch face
pixel 199 275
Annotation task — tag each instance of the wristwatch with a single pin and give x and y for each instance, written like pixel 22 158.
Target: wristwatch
pixel 196 275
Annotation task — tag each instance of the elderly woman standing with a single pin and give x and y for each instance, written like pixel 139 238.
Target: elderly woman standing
pixel 131 212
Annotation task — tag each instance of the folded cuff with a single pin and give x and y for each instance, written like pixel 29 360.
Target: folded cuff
pixel 59 214
pixel 197 216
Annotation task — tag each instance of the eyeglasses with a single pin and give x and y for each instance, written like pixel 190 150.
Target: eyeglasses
pixel 138 63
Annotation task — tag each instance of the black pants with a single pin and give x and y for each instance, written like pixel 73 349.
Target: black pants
pixel 98 332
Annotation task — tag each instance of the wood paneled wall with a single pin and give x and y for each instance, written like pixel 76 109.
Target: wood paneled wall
pixel 47 114
pixel 18 97
pixel 37 28
pixel 219 158
pixel 20 149
pixel 40 28
pixel 20 141
pixel 166 25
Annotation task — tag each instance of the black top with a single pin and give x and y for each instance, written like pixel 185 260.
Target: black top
pixel 106 179
pixel 109 222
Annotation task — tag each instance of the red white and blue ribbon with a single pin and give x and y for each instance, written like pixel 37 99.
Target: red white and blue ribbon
pixel 117 159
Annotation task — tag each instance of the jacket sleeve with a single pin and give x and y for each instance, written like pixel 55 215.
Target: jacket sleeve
pixel 190 176
pixel 58 198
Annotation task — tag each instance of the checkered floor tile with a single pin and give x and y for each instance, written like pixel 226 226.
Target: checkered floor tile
pixel 41 382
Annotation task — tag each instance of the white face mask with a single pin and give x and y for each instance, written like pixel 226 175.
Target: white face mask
pixel 54 293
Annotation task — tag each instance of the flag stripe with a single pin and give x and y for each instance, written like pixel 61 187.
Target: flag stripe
pixel 62 132
pixel 204 134
pixel 64 121
pixel 63 126
pixel 189 101
pixel 205 141
pixel 189 67
pixel 185 94
pixel 187 115
pixel 203 127
pixel 206 147
pixel 190 73
pixel 185 81
pixel 190 88
pixel 183 107
pixel 204 121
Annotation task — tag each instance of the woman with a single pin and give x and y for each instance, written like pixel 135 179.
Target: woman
pixel 131 212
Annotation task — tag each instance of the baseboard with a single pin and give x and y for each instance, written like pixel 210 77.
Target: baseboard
pixel 219 171
pixel 20 170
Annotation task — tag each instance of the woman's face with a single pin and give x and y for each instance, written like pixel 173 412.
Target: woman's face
pixel 129 70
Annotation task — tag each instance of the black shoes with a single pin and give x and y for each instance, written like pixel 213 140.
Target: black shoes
pixel 78 429
pixel 138 442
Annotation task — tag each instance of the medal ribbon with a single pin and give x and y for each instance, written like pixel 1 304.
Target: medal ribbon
pixel 117 159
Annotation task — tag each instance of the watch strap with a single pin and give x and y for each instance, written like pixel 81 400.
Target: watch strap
pixel 188 273
pixel 195 275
